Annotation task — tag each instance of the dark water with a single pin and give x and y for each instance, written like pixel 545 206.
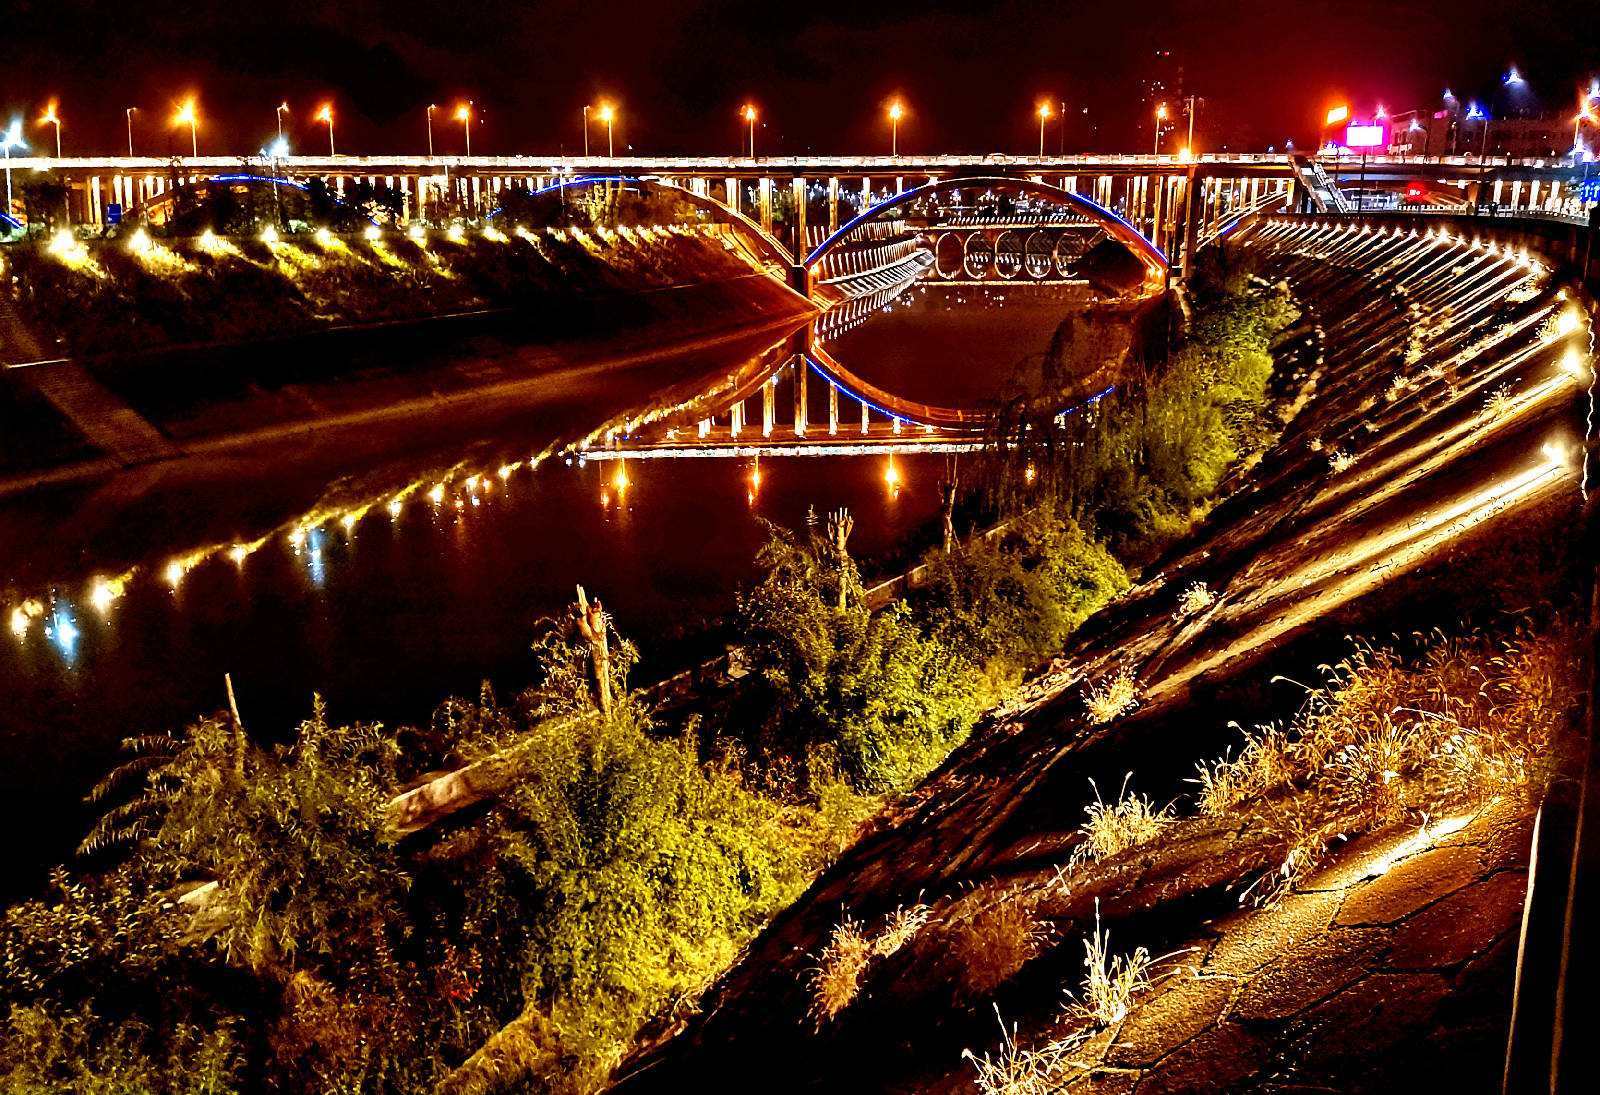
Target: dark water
pixel 955 346
pixel 385 614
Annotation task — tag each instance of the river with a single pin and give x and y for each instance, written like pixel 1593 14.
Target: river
pixel 393 574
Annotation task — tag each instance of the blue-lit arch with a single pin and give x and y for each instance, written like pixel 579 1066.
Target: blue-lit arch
pixel 1154 260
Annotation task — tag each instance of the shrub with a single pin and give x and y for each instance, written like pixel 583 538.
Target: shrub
pixel 1114 828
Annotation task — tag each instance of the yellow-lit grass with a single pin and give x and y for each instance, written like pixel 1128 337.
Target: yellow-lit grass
pixel 837 976
pixel 900 928
pixel 1195 599
pixel 1012 1070
pixel 1115 827
pixel 1112 981
pixel 1499 403
pixel 1114 697
pixel 992 946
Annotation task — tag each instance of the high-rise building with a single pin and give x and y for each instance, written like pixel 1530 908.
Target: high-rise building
pixel 1162 82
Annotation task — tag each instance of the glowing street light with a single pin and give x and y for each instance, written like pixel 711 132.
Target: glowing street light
pixel 894 128
pixel 1161 116
pixel 186 117
pixel 1044 113
pixel 464 116
pixel 130 111
pixel 283 108
pixel 608 116
pixel 750 116
pixel 431 108
pixel 586 131
pixel 326 115
pixel 51 118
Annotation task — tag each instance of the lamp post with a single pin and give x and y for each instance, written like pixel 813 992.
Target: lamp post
pixel 1044 113
pixel 894 129
pixel 326 115
pixel 283 108
pixel 186 117
pixel 464 116
pixel 13 138
pixel 51 118
pixel 431 108
pixel 750 116
pixel 130 111
pixel 1161 116
pixel 608 116
pixel 585 137
pixel 1584 115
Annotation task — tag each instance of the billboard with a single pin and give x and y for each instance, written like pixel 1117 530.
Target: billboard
pixel 1364 136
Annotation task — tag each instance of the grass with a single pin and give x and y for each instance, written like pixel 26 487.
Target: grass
pixel 1195 599
pixel 1112 981
pixel 994 945
pixel 1114 697
pixel 1115 827
pixel 1013 1070
pixel 837 976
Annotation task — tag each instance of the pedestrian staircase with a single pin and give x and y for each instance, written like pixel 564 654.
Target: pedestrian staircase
pixel 104 420
pixel 1325 193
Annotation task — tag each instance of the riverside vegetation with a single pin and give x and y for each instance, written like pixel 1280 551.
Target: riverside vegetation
pixel 257 925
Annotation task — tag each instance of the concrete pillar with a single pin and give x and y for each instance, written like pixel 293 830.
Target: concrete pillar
pixel 833 408
pixel 802 246
pixel 899 184
pixel 801 413
pixel 705 427
pixel 764 201
pixel 736 418
pixel 833 205
pixel 769 405
pixel 731 188
pixel 866 194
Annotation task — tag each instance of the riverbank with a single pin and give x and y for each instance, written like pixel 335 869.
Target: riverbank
pixel 203 401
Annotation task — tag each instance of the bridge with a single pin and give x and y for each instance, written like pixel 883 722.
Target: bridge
pixel 797 200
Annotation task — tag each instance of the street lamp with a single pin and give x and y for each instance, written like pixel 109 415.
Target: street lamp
pixel 608 116
pixel 12 139
pixel 431 108
pixel 1161 116
pixel 283 108
pixel 1583 116
pixel 1044 112
pixel 326 115
pixel 750 116
pixel 894 129
pixel 131 109
pixel 50 118
pixel 585 135
pixel 186 117
pixel 464 116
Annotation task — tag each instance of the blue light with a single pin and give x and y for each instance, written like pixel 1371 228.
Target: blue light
pixel 1477 112
pixel 314 560
pixel 62 630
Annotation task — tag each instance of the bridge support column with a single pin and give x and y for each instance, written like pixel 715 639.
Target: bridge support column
pixel 1191 214
pixel 731 188
pixel 769 406
pixel 736 418
pixel 863 419
pixel 765 192
pixel 833 408
pixel 800 411
pixel 833 205
pixel 866 194
pixel 800 279
pixel 801 245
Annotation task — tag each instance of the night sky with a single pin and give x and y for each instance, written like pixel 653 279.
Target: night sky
pixel 969 74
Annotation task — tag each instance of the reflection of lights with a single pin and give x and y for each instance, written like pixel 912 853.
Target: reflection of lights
pixel 104 591
pixel 63 630
pixel 297 537
pixel 315 563
pixel 175 573
pixel 415 232
pixel 269 234
pixel 30 609
pixel 506 470
pixel 436 495
pixel 455 233
pixel 1028 474
pixel 238 553
pixel 374 233
pixel 394 507
pixel 620 480
pixel 472 483
pixel 891 475
pixel 1573 364
pixel 1567 323
pixel 348 521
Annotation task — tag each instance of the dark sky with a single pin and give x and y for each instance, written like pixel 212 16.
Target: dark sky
pixel 821 73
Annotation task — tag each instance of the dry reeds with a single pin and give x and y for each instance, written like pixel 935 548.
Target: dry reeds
pixel 1012 1070
pixel 1194 600
pixel 837 976
pixel 992 946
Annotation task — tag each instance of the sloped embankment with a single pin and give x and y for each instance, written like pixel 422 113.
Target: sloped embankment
pixel 1425 478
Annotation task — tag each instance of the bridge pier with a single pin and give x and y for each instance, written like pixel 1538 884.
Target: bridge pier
pixel 800 410
pixel 833 205
pixel 833 408
pixel 797 187
pixel 764 198
pixel 769 406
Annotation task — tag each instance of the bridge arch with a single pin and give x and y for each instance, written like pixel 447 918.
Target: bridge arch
pixel 765 243
pixel 1008 254
pixel 1148 254
pixel 979 252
